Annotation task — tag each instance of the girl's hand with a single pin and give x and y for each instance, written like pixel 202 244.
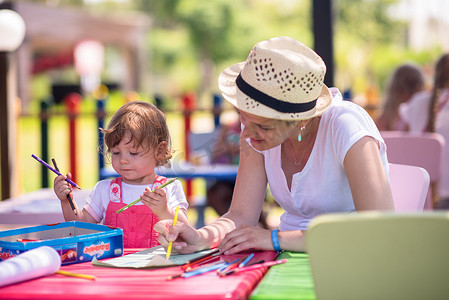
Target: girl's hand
pixel 185 238
pixel 246 237
pixel 61 187
pixel 157 201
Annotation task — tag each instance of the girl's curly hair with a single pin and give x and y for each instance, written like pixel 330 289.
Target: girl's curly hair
pixel 145 123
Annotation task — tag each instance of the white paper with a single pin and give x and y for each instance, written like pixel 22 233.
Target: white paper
pixel 149 258
pixel 30 264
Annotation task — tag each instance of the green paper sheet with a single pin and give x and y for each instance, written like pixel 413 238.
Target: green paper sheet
pixel 292 280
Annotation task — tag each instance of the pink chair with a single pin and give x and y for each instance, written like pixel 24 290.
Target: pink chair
pixel 409 186
pixel 417 149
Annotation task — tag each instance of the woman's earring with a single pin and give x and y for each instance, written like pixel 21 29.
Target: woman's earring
pixel 299 134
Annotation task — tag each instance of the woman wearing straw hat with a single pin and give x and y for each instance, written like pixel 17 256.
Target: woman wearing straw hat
pixel 319 154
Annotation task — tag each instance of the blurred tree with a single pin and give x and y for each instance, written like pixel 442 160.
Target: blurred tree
pixel 193 39
pixel 209 23
pixel 361 28
pixel 370 42
pixel 369 21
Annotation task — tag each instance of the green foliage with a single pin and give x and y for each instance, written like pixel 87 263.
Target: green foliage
pixel 367 20
pixel 187 33
pixel 209 23
pixel 370 43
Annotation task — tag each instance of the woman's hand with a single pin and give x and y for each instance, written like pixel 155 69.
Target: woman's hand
pixel 185 238
pixel 157 201
pixel 61 187
pixel 246 237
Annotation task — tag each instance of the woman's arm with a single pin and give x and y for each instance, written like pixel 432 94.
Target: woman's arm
pixel 367 178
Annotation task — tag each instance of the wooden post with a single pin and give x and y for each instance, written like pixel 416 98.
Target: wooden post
pixel 218 107
pixel 8 128
pixel 44 142
pixel 101 94
pixel 72 102
pixel 189 105
pixel 322 31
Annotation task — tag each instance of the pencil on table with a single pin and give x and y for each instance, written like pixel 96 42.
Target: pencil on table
pixel 65 273
pixel 199 260
pixel 210 259
pixel 259 266
pixel 69 196
pixel 246 260
pixel 200 271
pixel 234 270
pixel 233 265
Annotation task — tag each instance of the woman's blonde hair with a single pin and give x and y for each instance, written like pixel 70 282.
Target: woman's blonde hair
pixel 146 125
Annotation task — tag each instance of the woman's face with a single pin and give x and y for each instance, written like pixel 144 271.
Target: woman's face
pixel 265 133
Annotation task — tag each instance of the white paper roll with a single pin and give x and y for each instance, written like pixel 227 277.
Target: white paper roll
pixel 28 265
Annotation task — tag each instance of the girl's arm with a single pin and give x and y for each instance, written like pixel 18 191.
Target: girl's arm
pixel 157 201
pixel 367 178
pixel 62 189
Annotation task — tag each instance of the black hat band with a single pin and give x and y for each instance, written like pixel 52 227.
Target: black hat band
pixel 267 100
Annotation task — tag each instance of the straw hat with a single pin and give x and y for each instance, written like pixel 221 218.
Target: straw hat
pixel 281 79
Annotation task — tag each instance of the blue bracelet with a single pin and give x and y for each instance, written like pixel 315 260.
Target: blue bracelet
pixel 275 240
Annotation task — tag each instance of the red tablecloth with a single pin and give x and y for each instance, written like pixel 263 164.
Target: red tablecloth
pixel 114 283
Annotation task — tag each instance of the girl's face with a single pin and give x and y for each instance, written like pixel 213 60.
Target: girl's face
pixel 135 165
pixel 265 133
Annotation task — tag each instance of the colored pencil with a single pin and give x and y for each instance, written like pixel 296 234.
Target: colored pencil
pixel 200 271
pixel 231 266
pixel 69 196
pixel 262 265
pixel 246 260
pixel 51 169
pixel 208 262
pixel 170 244
pixel 200 260
pixel 65 273
pixel 249 264
pixel 27 240
pixel 135 201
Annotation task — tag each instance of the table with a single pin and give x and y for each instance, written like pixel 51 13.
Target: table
pixel 113 283
pixel 187 170
pixel 37 208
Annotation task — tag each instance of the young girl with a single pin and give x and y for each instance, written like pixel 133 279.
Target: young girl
pixel 138 140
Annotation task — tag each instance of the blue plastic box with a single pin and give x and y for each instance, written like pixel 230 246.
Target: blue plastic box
pixel 75 242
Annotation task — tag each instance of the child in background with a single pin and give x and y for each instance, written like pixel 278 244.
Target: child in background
pixel 227 151
pixel 428 111
pixel 405 81
pixel 137 140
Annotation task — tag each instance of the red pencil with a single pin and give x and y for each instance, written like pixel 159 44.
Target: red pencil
pixel 232 266
pixel 258 266
pixel 205 263
pixel 199 260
